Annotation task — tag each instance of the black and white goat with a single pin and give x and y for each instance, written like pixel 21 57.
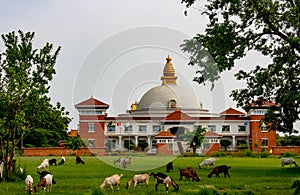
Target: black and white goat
pixel 62 161
pixel 161 178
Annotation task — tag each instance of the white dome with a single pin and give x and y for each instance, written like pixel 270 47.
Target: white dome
pixel 168 96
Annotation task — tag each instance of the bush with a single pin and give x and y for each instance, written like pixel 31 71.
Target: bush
pixel 189 154
pixel 264 154
pixel 288 154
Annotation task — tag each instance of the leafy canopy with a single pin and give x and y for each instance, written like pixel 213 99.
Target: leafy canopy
pixel 25 74
pixel 270 27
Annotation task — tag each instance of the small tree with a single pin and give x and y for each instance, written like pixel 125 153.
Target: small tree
pixel 74 143
pixel 225 143
pixel 197 139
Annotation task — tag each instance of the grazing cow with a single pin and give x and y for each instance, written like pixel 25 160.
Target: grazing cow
pixel 79 160
pixel 137 179
pixel 44 173
pixel 62 161
pixel 111 181
pixel 288 161
pixel 164 179
pixel 220 169
pixel 43 165
pixel 169 167
pixel 1 169
pixel 124 162
pixel 28 184
pixel 194 173
pixel 207 162
pixel 52 162
pixel 45 182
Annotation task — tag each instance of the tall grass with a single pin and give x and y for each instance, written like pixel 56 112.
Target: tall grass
pixel 248 175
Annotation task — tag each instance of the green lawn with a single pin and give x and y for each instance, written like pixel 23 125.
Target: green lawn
pixel 258 175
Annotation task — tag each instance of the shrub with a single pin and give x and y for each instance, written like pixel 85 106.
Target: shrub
pixel 264 154
pixel 288 154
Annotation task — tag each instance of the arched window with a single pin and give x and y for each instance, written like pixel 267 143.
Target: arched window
pixel 172 104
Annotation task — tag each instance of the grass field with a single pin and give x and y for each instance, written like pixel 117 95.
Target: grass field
pixel 257 175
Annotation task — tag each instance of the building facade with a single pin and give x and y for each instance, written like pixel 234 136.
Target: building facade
pixel 174 109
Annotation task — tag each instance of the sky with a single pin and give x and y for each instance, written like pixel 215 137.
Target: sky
pixel 115 50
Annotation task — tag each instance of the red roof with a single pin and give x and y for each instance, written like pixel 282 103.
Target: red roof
pixel 231 111
pixel 178 115
pixel 212 134
pixel 91 102
pixel 165 134
pixel 73 133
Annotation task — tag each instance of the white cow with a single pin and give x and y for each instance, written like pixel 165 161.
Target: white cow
pixel 207 162
pixel 288 161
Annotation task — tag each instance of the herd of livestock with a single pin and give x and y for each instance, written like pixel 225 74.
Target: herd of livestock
pixel 47 179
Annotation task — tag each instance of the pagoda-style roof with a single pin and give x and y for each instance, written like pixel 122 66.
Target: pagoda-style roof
pixel 209 134
pixel 178 115
pixel 232 111
pixel 165 134
pixel 91 102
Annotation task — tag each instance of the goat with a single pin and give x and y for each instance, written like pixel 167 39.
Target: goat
pixel 1 169
pixel 187 174
pixel 288 161
pixel 45 182
pixel 62 161
pixel 44 173
pixel 220 169
pixel 124 162
pixel 28 184
pixel 207 162
pixel 164 179
pixel 79 160
pixel 112 181
pixel 194 173
pixel 52 162
pixel 169 167
pixel 43 165
pixel 137 179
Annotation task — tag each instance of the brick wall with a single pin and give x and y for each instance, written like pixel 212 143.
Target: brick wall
pixel 56 151
pixel 278 150
pixel 163 149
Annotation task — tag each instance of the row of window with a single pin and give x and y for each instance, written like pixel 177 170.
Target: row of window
pixel 157 128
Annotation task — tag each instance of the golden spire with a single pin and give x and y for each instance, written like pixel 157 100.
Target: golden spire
pixel 168 73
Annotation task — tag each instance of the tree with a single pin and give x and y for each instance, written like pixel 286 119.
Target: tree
pixel 74 143
pixel 269 27
pixel 197 139
pixel 25 74
pixel 225 143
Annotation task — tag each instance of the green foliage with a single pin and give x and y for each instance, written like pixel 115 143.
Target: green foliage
pixel 288 140
pixel 198 138
pixel 74 143
pixel 237 28
pixel 296 186
pixel 225 143
pixel 288 154
pixel 25 74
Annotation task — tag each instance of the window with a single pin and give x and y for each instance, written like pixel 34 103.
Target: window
pixel 172 104
pixel 128 128
pixel 111 128
pixel 241 128
pixel 264 142
pixel 156 128
pixel 212 127
pixel 263 127
pixel 91 143
pixel 170 146
pixel 91 127
pixel 225 128
pixel 142 128
pixel 259 112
